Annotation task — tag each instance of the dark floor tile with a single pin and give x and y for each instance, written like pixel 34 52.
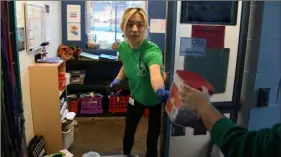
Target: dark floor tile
pixel 105 136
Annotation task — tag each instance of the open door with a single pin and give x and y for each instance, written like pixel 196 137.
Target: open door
pixel 204 37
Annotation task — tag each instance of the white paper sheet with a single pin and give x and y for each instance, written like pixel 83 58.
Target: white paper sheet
pixel 73 31
pixel 157 25
pixel 73 13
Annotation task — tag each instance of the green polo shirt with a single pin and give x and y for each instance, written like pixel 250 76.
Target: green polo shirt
pixel 136 63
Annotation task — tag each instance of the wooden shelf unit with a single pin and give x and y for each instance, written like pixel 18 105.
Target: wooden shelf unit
pixel 45 103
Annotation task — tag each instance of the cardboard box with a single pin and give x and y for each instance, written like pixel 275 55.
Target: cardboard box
pixel 177 114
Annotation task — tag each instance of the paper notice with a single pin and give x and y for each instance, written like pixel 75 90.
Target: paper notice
pixel 73 31
pixel 73 13
pixel 157 25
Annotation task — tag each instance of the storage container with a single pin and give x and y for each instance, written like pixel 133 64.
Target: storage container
pixel 68 138
pixel 91 105
pixel 118 104
pixel 62 80
pixel 62 84
pixel 73 105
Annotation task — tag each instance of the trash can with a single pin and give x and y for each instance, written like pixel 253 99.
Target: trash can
pixel 68 137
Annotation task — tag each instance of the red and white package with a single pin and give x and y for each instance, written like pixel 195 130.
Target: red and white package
pixel 179 115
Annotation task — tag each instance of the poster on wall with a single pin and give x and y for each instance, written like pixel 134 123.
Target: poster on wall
pixel 214 35
pixel 157 26
pixel 73 31
pixel 73 13
pixel 209 12
pixel 192 46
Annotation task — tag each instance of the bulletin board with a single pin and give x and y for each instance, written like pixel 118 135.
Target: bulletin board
pixel 35 26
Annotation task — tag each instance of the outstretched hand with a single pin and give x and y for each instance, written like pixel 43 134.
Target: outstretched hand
pixel 194 99
pixel 163 95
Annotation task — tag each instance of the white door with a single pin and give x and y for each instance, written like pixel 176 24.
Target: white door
pixel 222 45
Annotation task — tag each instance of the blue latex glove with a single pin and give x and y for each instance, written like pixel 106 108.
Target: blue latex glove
pixel 163 95
pixel 114 83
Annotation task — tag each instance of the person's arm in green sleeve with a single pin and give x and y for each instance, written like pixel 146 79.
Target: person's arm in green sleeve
pixel 233 140
pixel 154 61
pixel 236 141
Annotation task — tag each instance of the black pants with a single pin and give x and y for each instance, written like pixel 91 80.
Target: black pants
pixel 133 116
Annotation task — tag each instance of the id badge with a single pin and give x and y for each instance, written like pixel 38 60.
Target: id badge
pixel 131 101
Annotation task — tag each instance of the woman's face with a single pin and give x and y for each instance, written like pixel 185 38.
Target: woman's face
pixel 136 28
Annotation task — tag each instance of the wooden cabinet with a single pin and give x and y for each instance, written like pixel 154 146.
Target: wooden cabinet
pixel 45 102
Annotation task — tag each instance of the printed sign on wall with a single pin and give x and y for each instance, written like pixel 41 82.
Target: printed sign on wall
pixel 157 25
pixel 192 46
pixel 73 13
pixel 214 35
pixel 73 31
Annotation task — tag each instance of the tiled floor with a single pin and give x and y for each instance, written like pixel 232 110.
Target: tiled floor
pixel 105 137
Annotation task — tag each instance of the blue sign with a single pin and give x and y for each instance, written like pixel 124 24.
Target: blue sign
pixel 192 46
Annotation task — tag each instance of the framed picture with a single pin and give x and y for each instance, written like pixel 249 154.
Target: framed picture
pixel 209 12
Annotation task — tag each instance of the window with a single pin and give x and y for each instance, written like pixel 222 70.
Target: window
pixel 105 18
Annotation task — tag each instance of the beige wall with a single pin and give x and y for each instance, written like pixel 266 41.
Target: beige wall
pixel 27 58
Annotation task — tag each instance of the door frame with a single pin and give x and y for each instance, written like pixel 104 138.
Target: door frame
pixel 231 107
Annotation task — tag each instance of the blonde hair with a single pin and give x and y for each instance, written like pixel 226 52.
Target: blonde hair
pixel 127 15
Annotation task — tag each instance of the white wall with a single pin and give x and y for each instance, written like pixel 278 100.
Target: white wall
pixel 27 58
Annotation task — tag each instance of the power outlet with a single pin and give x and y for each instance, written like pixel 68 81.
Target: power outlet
pixel 263 97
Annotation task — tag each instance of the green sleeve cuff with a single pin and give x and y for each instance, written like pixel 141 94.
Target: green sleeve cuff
pixel 219 128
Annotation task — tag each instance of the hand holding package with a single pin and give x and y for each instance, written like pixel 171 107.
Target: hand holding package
pixel 186 96
pixel 193 99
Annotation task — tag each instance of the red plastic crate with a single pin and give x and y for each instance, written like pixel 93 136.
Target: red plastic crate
pixel 62 84
pixel 91 105
pixel 146 113
pixel 118 104
pixel 61 74
pixel 73 106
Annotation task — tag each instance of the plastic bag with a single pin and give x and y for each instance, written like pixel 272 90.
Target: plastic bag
pixel 178 115
pixel 91 154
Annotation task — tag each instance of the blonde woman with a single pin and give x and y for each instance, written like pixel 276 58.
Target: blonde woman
pixel 143 66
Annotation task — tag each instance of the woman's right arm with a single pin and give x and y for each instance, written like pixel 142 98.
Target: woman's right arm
pixel 233 140
pixel 121 75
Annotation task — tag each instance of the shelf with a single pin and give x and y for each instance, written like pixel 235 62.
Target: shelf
pixel 47 64
pixel 93 61
pixel 106 114
pixel 81 88
pixel 62 91
pixel 45 107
